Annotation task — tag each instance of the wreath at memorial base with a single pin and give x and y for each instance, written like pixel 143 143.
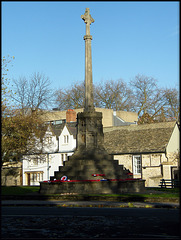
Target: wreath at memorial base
pixel 64 178
pixel 96 175
pixel 96 180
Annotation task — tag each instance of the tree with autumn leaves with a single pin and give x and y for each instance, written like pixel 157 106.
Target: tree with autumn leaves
pixel 19 130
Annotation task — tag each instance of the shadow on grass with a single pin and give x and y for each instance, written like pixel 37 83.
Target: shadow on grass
pixel 19 190
pixel 32 193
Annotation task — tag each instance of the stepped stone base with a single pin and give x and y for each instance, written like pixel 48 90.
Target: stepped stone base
pixel 91 158
pixel 83 166
pixel 102 187
pixel 83 169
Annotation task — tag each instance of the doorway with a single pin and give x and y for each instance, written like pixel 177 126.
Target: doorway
pixel 28 179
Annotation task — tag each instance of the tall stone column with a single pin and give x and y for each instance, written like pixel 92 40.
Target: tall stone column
pixel 89 101
pixel 90 135
pixel 90 156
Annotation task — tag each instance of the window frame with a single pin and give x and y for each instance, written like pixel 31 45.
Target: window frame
pixel 137 164
pixel 66 139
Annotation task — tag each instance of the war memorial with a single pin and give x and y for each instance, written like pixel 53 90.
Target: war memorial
pixel 90 169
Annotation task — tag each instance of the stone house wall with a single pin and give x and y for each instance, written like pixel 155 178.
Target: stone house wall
pixel 154 166
pixel 11 174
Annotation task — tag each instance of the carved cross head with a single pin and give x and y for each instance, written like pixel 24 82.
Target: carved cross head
pixel 87 17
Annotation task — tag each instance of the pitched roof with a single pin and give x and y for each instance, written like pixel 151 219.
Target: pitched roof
pixel 57 129
pixel 142 138
pixel 72 127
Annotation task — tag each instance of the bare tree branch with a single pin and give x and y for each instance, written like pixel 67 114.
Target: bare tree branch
pixel 33 93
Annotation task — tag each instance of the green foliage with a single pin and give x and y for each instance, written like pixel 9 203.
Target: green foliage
pixel 17 134
pixel 17 128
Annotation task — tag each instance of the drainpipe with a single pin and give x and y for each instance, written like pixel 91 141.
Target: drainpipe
pixel 166 154
pixel 48 167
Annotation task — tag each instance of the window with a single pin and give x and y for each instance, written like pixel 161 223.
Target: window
pixel 48 140
pixel 137 164
pixel 33 177
pixel 66 138
pixel 41 176
pixel 64 157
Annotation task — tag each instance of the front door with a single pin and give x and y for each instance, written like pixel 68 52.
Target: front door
pixel 28 178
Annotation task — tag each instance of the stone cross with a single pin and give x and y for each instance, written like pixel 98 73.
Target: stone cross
pixel 89 101
pixel 88 20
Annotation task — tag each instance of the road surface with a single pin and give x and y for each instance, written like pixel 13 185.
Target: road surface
pixel 81 223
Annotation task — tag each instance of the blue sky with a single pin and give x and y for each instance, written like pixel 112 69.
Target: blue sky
pixel 129 38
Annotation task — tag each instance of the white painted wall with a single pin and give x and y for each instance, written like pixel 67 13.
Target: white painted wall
pixel 49 161
pixel 47 165
pixel 54 163
pixel 50 142
pixel 66 146
pixel 34 164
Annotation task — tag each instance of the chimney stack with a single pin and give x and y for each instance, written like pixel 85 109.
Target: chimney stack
pixel 71 116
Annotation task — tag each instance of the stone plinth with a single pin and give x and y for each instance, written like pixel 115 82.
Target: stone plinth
pixel 104 187
pixel 90 135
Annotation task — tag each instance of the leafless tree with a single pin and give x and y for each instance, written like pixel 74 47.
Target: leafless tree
pixel 72 97
pixel 160 103
pixel 172 103
pixel 148 96
pixel 114 95
pixel 142 95
pixel 33 93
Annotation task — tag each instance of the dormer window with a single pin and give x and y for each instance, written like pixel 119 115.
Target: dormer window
pixel 48 140
pixel 66 138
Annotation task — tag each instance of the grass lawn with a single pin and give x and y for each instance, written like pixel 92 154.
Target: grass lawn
pixel 18 190
pixel 152 192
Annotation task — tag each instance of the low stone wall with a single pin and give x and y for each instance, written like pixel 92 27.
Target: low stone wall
pixel 102 187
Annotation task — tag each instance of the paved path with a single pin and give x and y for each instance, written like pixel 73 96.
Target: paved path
pixel 87 204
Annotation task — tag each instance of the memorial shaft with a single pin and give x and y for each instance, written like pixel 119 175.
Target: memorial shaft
pixel 90 157
pixel 89 100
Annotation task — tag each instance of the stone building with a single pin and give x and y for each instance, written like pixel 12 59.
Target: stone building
pixel 11 174
pixel 58 143
pixel 149 151
pixel 109 117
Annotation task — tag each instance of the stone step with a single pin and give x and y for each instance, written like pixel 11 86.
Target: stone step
pixel 91 169
pixel 76 173
pixel 90 162
pixel 89 177
pixel 94 156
